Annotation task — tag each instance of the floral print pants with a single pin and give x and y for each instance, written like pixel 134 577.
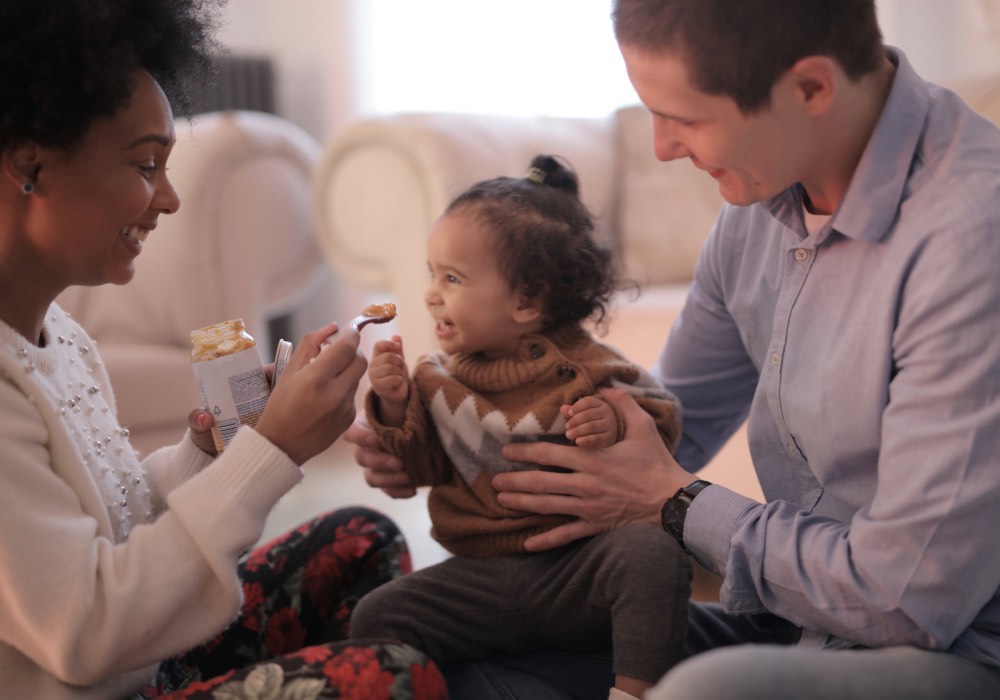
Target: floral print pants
pixel 299 591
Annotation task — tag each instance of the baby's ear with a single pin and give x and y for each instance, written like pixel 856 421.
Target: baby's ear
pixel 528 309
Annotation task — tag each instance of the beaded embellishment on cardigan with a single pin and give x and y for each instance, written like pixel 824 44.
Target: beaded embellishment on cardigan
pixel 65 370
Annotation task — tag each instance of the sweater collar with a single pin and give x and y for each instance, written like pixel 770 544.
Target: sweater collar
pixel 534 355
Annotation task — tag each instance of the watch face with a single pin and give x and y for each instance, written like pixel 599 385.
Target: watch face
pixel 675 510
pixel 672 519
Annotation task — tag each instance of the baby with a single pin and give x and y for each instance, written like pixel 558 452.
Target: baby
pixel 514 273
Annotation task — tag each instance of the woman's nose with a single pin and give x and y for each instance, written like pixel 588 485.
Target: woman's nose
pixel 166 200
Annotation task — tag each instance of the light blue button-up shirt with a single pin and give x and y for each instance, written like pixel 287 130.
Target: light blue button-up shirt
pixel 867 359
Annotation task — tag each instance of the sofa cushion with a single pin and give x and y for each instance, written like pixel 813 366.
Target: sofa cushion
pixel 665 210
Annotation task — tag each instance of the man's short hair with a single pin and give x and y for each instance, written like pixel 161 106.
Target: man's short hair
pixel 739 48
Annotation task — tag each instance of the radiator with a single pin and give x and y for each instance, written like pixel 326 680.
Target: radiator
pixel 242 82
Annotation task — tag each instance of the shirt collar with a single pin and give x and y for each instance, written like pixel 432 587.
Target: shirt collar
pixel 874 194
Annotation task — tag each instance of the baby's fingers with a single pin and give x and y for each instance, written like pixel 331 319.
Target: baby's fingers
pixel 595 427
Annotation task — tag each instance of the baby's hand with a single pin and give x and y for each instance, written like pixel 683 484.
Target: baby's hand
pixel 591 423
pixel 387 371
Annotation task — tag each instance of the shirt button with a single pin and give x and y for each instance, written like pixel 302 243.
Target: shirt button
pixel 801 254
pixel 566 372
pixel 775 358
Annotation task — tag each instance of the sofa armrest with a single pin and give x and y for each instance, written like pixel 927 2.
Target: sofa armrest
pixel 382 182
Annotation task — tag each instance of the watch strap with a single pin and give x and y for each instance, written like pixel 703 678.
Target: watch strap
pixel 674 511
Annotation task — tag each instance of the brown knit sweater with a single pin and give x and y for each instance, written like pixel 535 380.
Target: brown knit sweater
pixel 477 405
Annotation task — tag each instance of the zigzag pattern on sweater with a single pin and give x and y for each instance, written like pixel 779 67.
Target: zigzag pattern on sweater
pixel 473 443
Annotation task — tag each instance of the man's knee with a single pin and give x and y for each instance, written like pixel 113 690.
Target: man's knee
pixel 721 674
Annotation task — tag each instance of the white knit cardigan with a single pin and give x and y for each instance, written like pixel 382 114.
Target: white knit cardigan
pixel 108 564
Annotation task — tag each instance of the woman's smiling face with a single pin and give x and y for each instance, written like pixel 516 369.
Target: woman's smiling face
pixel 94 205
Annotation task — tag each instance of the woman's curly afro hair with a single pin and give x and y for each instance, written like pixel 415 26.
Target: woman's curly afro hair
pixel 65 63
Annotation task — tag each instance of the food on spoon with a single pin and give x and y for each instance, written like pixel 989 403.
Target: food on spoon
pixel 375 313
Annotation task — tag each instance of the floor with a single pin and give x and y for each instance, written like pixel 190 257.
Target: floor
pixel 332 480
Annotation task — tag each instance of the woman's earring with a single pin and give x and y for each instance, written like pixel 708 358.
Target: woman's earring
pixel 27 188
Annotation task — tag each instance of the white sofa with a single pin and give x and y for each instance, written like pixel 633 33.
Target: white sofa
pixel 243 244
pixel 383 181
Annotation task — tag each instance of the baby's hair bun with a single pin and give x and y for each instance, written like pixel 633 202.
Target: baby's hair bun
pixel 548 170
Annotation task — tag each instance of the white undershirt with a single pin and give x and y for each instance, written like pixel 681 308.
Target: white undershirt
pixel 814 222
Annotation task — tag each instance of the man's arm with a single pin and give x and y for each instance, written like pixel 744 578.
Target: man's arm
pixel 916 563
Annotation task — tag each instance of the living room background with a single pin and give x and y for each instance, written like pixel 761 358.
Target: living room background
pixel 337 60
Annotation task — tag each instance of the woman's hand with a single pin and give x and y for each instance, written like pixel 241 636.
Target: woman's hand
pixel 382 470
pixel 313 404
pixel 200 422
pixel 605 488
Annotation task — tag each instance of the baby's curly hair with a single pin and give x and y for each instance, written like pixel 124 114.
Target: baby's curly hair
pixel 544 240
pixel 65 63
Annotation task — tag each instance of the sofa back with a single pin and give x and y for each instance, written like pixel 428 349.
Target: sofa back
pixel 665 210
pixel 242 244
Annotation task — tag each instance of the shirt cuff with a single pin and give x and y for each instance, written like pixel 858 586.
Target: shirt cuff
pixel 710 523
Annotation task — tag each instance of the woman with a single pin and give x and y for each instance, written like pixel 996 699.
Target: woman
pixel 119 578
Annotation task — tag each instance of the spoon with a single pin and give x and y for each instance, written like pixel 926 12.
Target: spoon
pixel 375 313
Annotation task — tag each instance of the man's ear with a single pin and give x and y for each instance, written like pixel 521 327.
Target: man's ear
pixel 21 164
pixel 813 80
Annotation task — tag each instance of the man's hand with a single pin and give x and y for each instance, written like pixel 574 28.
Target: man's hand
pixel 382 470
pixel 605 488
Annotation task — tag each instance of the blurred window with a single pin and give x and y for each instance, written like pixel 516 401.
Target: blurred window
pixel 516 57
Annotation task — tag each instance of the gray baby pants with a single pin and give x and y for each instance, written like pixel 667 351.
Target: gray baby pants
pixel 627 589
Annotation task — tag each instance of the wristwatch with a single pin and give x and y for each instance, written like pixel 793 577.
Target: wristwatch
pixel 675 509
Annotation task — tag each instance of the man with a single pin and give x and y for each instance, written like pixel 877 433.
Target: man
pixel 846 303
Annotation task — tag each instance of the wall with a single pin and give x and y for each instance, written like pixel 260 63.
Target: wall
pixel 945 39
pixel 314 44
pixel 324 66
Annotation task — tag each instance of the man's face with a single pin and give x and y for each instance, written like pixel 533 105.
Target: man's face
pixel 751 157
